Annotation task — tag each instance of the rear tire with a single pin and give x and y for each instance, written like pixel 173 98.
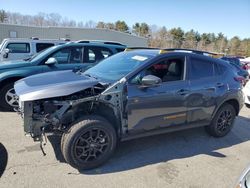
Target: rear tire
pixel 62 141
pixel 8 96
pixel 222 122
pixel 89 142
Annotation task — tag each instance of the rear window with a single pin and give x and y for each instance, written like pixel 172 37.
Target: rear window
pixel 201 69
pixel 219 69
pixel 235 61
pixel 43 46
pixel 19 47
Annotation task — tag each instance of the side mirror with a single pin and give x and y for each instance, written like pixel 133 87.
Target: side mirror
pixel 150 80
pixel 6 53
pixel 51 61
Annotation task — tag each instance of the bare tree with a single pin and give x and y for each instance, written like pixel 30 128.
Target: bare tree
pixel 3 16
pixel 90 24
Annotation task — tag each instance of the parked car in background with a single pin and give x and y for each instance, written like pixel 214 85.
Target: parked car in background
pixel 246 63
pixel 21 48
pixel 246 91
pixel 235 62
pixel 132 94
pixel 244 180
pixel 63 57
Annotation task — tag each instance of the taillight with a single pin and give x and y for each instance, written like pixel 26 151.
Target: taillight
pixel 240 79
pixel 246 67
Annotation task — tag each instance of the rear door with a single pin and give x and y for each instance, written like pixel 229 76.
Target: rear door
pixel 205 88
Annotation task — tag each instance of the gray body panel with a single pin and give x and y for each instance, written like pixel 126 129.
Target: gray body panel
pixel 172 105
pixel 52 84
pixel 152 108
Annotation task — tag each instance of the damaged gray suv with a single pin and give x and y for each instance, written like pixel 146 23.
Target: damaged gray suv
pixel 129 95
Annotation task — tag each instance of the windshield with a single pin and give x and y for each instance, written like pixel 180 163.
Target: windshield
pixel 117 66
pixel 42 53
pixel 1 45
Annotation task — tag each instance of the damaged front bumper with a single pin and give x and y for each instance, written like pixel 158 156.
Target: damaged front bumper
pixel 36 123
pixel 50 116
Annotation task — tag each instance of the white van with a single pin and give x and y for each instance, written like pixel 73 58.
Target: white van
pixel 20 48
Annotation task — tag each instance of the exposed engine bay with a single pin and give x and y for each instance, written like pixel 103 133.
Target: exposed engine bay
pixel 55 115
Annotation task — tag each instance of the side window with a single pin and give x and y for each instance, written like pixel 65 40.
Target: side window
pixel 95 54
pixel 62 56
pixel 19 47
pixel 219 69
pixel 171 69
pixel 106 53
pixel 91 55
pixel 43 46
pixel 76 55
pixel 200 68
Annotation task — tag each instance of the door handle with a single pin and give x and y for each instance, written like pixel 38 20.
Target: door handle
pixel 182 92
pixel 219 84
pixel 210 88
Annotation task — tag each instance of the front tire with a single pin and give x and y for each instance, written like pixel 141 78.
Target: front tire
pixel 8 97
pixel 223 121
pixel 89 143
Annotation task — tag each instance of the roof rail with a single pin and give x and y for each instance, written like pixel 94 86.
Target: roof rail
pixel 140 48
pixel 34 38
pixel 114 43
pixel 167 50
pixel 100 41
pixel 211 54
pixel 65 39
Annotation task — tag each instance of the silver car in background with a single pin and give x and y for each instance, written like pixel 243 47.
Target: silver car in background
pixel 244 180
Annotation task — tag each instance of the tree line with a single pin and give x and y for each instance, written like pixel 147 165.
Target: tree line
pixel 161 37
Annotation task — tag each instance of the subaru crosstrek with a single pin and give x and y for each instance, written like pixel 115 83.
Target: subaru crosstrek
pixel 131 94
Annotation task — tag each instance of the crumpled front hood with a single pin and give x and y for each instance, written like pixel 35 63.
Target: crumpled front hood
pixel 13 64
pixel 52 84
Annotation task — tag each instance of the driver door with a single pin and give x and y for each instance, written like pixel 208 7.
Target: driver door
pixel 68 59
pixel 161 105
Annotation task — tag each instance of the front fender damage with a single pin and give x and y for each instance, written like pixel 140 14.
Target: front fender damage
pixel 56 115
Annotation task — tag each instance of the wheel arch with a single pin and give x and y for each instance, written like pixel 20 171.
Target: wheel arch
pixel 234 102
pixel 100 109
pixel 109 114
pixel 10 80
